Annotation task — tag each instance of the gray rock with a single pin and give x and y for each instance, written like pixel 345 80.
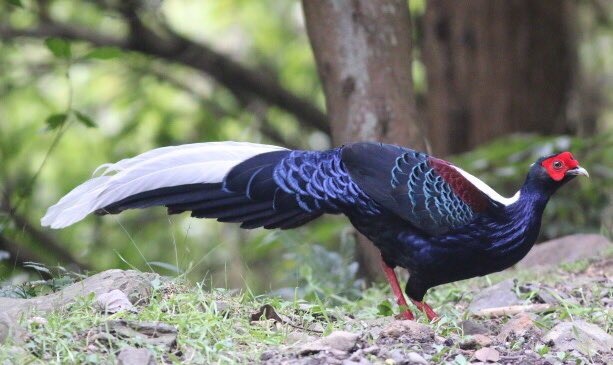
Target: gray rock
pixel 135 285
pixel 499 295
pixel 470 327
pixel 151 333
pixel 397 355
pixel 415 358
pixel 413 330
pixel 585 337
pixel 11 331
pixel 520 325
pixel 337 340
pixel 113 302
pixel 565 249
pixel 134 356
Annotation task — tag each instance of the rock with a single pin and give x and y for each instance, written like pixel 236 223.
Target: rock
pixel 38 321
pixel 396 355
pixel 415 358
pixel 11 331
pixel 517 326
pixel 470 327
pixel 499 295
pixel 152 333
pixel 565 249
pixel 134 284
pixel 113 302
pixel 337 340
pixel 413 330
pixel 134 356
pixel 487 354
pixel 585 337
pixel 482 340
pixel 360 361
pixel 475 342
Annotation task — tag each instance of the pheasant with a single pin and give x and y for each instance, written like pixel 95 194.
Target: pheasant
pixel 425 215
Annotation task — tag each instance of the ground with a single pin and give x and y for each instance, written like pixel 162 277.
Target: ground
pixel 557 315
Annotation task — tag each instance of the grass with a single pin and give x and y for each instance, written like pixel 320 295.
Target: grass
pixel 214 326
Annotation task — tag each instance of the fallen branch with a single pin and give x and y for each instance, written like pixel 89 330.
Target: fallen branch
pixel 512 310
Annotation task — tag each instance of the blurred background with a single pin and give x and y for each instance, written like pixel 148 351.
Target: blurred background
pixel 491 85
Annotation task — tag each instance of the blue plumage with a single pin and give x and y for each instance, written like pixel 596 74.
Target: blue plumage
pixel 424 214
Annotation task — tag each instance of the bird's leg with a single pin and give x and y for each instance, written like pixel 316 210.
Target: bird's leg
pixel 425 308
pixel 393 280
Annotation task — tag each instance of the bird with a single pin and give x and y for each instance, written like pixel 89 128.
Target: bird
pixel 424 214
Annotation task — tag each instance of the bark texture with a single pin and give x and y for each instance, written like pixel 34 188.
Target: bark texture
pixel 496 67
pixel 363 54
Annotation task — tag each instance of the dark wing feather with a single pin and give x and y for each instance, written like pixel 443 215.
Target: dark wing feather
pixel 425 191
pixel 281 189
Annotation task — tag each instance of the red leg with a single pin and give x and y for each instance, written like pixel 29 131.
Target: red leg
pixel 393 280
pixel 424 307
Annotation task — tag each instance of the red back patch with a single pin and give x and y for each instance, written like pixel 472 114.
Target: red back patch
pixel 464 189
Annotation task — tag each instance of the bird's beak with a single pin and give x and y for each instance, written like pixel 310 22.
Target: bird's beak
pixel 578 171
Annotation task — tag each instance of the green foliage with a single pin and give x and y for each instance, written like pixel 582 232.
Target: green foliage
pixel 56 121
pixel 104 53
pixel 59 47
pixel 85 120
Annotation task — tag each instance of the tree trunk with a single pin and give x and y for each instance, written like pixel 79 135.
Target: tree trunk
pixel 363 54
pixel 496 67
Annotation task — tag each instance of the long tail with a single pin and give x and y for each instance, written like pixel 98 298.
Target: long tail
pixel 187 178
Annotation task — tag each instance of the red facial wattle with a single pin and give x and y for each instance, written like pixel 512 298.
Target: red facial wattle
pixel 557 166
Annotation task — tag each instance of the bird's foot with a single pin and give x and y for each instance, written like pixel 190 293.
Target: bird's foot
pixel 427 310
pixel 402 302
pixel 406 314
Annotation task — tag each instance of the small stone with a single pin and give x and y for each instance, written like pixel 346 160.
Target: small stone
pixel 413 330
pixel 337 340
pixel 487 354
pixel 267 355
pixel 134 356
pixel 482 340
pixel 415 358
pixel 499 295
pixel 517 326
pixel 360 361
pixel 38 321
pixel 476 341
pixel 114 301
pixel 11 331
pixel 396 355
pixel 371 350
pixel 222 307
pixel 470 327
pixel 585 337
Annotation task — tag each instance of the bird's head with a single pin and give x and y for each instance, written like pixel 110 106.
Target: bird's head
pixel 553 171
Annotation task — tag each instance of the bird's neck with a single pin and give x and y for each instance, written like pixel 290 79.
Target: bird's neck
pixel 523 222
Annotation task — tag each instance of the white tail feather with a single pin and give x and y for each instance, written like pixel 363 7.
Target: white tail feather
pixel 158 168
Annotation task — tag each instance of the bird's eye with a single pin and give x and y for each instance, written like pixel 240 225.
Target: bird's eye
pixel 557 165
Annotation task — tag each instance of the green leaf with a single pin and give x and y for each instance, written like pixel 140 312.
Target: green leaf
pixel 55 121
pixel 85 120
pixel 385 308
pixel 16 3
pixel 59 47
pixel 104 53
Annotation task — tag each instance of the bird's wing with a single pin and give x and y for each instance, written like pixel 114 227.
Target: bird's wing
pixel 431 194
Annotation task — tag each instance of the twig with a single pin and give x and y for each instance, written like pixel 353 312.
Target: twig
pixel 512 309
